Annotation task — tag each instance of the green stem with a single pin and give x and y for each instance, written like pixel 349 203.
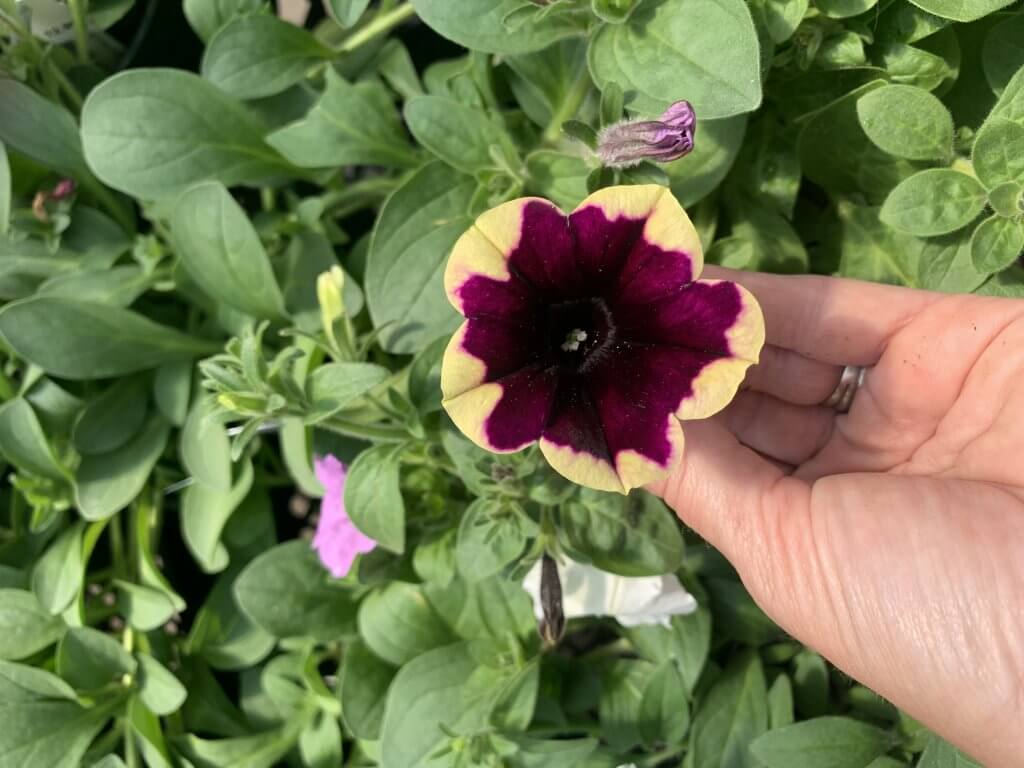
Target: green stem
pixel 567 109
pixel 383 23
pixel 658 758
pixel 377 433
pixel 359 194
pixel 79 18
pixel 9 15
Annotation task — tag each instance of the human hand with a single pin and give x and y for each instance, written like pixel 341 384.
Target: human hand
pixel 891 539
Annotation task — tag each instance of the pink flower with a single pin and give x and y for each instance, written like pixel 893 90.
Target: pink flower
pixel 337 540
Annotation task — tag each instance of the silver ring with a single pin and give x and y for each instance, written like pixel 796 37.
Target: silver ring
pixel 849 382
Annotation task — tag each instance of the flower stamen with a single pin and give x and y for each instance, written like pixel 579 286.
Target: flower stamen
pixel 573 340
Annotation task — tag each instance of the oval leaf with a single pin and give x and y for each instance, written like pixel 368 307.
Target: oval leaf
pixel 934 202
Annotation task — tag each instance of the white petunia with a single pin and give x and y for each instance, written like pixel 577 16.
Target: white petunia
pixel 588 591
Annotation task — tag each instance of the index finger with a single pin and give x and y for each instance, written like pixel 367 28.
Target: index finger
pixel 835 320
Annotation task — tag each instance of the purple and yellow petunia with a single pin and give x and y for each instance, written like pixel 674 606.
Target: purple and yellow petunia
pixel 591 333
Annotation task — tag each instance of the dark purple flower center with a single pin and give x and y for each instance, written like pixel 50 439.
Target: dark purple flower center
pixel 577 333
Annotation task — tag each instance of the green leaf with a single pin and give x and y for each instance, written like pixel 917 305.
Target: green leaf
pixel 40 129
pixel 24 443
pixel 112 418
pixel 998 154
pixel 205 447
pixel 697 174
pixel 25 626
pixel 261 750
pixel 373 498
pixel 222 252
pixel 335 385
pixel 634 535
pixel 148 735
pixel 89 659
pixel 398 623
pixel 733 715
pixel 623 682
pixel 320 742
pixel 810 684
pixel 309 255
pixel 1003 52
pixel 172 386
pixel 81 340
pixel 556 753
pixel 415 231
pixel 836 742
pixel 363 689
pixel 665 708
pixel 260 55
pixel 5 191
pixel 657 59
pixel 118 286
pixel 842 9
pixel 57 576
pixel 545 83
pixel 205 511
pixel 559 177
pixel 780 17
pixel 491 535
pixel 907 122
pixel 288 593
pixel 780 702
pixel 145 608
pixel 43 724
pixel 159 689
pixel 350 125
pixel 346 12
pixel 482 27
pixel 106 483
pixel 1010 105
pixel 946 265
pixel 1007 199
pixel 933 202
pixel 861 167
pixel 202 134
pixel 460 135
pixel 996 244
pixel 869 250
pixel 686 642
pixel 736 615
pixel 961 10
pixel 430 696
pixel 110 761
pixel 493 608
pixel 941 754
pixel 207 16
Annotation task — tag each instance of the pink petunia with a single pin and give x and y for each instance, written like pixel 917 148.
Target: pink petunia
pixel 337 540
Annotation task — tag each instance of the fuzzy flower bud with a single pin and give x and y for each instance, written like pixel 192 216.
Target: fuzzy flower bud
pixel 329 287
pixel 629 142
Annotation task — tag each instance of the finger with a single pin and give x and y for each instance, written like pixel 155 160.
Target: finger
pixel 792 377
pixel 834 320
pixel 720 487
pixel 786 432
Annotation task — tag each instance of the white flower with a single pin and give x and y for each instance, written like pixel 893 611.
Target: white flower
pixel 587 591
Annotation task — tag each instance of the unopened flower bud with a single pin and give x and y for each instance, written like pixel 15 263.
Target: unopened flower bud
pixel 65 188
pixel 629 142
pixel 329 287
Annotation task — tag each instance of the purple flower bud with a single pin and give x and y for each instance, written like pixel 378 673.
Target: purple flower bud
pixel 65 188
pixel 629 142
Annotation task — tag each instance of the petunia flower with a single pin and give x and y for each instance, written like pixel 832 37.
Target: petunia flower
pixel 591 334
pixel 337 540
pixel 628 142
pixel 633 602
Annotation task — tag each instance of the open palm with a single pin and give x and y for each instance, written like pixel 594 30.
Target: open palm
pixel 891 539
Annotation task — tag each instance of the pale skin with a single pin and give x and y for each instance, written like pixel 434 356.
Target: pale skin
pixel 890 539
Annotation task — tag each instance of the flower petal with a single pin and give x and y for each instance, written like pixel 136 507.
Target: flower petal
pixel 625 232
pixel 598 436
pixel 508 414
pixel 485 349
